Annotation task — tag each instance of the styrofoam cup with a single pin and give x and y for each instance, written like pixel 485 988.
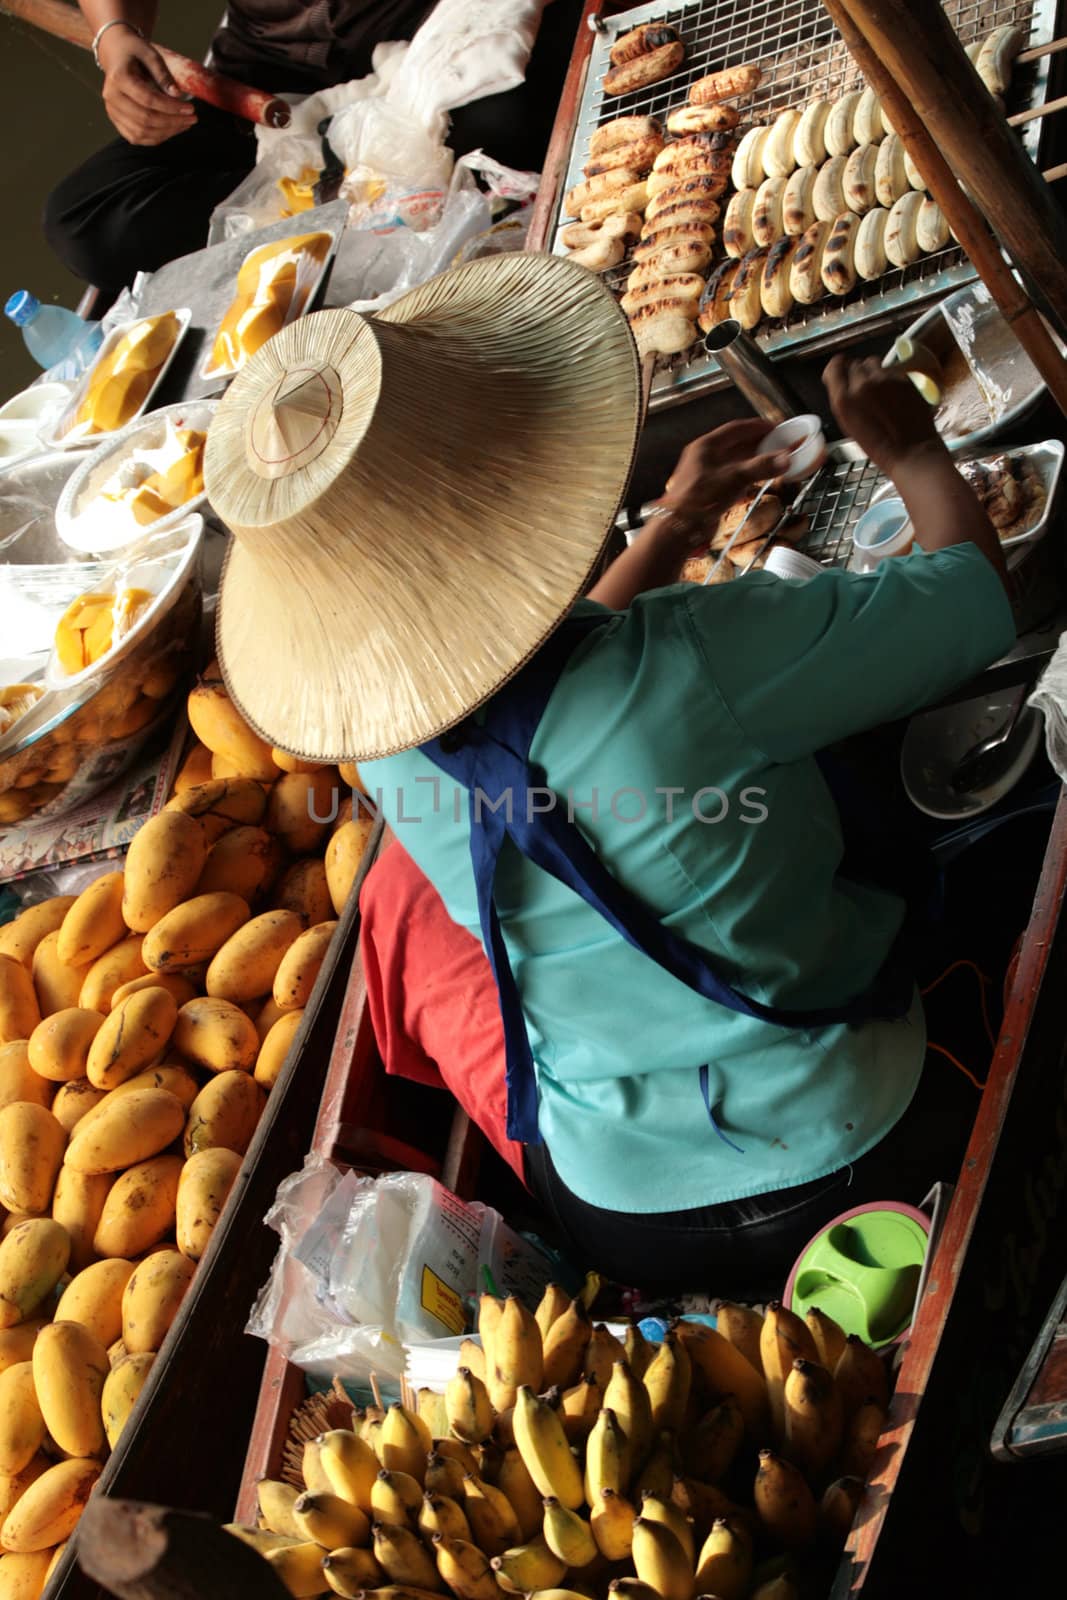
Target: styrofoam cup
pixel 785 562
pixel 803 438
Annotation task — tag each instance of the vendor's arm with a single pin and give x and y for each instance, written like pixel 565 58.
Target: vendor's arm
pixel 712 472
pixel 885 413
pixel 142 99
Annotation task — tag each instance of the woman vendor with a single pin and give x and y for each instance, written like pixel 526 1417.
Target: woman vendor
pixel 713 1038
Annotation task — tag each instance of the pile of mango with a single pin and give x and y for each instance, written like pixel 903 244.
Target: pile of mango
pixel 143 1024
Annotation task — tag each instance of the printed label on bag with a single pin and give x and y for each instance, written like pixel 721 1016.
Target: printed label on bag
pixel 442 1302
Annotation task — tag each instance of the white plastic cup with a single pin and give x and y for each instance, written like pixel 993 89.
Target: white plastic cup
pixel 803 438
pixel 785 562
pixel 883 530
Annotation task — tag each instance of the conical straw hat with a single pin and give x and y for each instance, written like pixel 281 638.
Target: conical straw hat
pixel 416 499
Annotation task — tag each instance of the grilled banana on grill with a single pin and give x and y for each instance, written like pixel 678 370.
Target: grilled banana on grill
pixel 737 231
pixel 871 259
pixel 726 85
pixel 890 171
pixel 624 201
pixel 715 301
pixel 706 187
pixel 867 124
pixel 840 135
pixel 859 178
pixel 621 131
pixel 600 255
pixel 641 71
pixel 915 177
pixel 996 55
pixel 703 119
pixel 798 202
pixel 805 274
pixel 641 42
pixel 683 286
pixel 767 220
pixel 776 297
pixel 602 187
pixel 932 232
pixel 746 306
pixel 623 225
pixel 664 327
pixel 747 171
pixel 777 153
pixel 828 195
pixel 901 231
pixel 809 139
pixel 839 255
pixel 637 157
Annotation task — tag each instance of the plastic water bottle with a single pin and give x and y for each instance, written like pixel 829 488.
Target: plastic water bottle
pixel 60 341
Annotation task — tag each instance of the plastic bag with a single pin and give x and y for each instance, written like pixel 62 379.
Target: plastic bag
pixel 372 268
pixel 288 1310
pixel 465 50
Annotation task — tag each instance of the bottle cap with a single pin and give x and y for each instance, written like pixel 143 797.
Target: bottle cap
pixel 22 307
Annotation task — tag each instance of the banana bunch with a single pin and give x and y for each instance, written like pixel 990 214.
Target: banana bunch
pixel 564 1462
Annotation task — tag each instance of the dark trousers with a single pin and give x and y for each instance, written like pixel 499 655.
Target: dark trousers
pixel 130 208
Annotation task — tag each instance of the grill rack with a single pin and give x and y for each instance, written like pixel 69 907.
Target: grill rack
pixel 803 58
pixel 835 502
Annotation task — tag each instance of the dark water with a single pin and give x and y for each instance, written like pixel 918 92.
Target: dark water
pixel 52 118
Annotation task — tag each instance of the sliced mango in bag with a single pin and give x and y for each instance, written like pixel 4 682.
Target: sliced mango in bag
pixel 120 382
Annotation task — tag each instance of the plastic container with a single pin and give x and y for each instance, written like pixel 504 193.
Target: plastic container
pixel 67 433
pixel 54 336
pixel 804 439
pixel 883 530
pixel 785 562
pixel 863 1269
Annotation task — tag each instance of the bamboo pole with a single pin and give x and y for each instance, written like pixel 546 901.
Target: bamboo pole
pixel 963 218
pixel 918 48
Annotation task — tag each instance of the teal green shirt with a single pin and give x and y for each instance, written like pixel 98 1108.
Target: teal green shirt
pixel 683 733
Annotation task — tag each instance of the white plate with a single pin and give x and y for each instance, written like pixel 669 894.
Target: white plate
pixel 64 435
pixel 937 741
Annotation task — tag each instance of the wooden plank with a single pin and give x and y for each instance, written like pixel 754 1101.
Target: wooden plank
pixel 143 1552
pixel 463 1157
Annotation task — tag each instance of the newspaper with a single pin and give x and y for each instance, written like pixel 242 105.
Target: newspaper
pixel 101 828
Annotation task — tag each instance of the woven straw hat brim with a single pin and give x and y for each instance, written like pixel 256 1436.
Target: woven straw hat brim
pixel 425 506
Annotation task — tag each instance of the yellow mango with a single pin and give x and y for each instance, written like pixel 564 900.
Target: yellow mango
pixel 140 1209
pixel 286 762
pixel 169 1075
pixel 303 888
pixel 194 770
pixel 275 1049
pixel 203 1188
pixel 21 937
pixel 16 1344
pixel 14 1487
pixel 224 1114
pixel 48 1512
pixel 122 1386
pixel 69 1368
pixel 120 382
pixel 217 723
pixel 222 804
pixel 301 808
pixel 56 1558
pixel 152 1299
pixel 22 1425
pixel 55 983
pixel 177 984
pixel 93 1297
pixel 244 967
pixel 129 1129
pixel 216 1034
pixel 344 853
pixel 299 967
pixel 164 861
pixel 266 1018
pixel 23 1577
pixel 134 1034
pixel 18 1081
pixel 74 1101
pixel 78 1205
pixel 19 1011
pixel 145 346
pixel 59 1045
pixel 193 931
pixel 350 775
pixel 31 1151
pixel 122 964
pixel 33 1258
pixel 244 861
pixel 94 922
pixel 83 632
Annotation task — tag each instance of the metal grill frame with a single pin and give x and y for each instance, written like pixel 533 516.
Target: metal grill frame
pixel 803 58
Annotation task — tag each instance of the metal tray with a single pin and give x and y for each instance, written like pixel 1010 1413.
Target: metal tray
pixel 803 58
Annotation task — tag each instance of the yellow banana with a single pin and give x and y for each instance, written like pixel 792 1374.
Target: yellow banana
pixel 607 1458
pixel 328 1520
pixel 557 1594
pixel 552 1305
pixel 601 1354
pixel 742 1327
pixel 494 1525
pixel 862 1432
pixel 784 1338
pixel 470 1414
pixel 514 1356
pixel 372 1433
pixel 349 1571
pixel 298 1567
pixel 260 1539
pixel 668 1380
pixel 405 1442
pixel 702 1503
pixel 404 1558
pixel 814 1419
pixel 637 1350
pixel 668 1515
pixel 564 1349
pixel 528 1566
pixel 456 1450
pixel 441 1514
pixel 659 1471
pixel 721 1369
pixel 465 1569
pixel 784 1503
pixel 590 1289
pixel 513 1479
pixel 629 1400
pixel 349 1466
pixel 709 1449
pixel 395 1499
pixel 471 1355
pixel 659 1560
pixel 579 1408
pixel 399 1591
pixel 490 1310
pixel 444 1476
pixel 829 1337
pixel 838 1507
pixel 631 1589
pixel 311 1465
pixel 611 1522
pixel 860 1375
pixel 488 1456
pixel 725 1565
pixel 543 1446
pixel 276 1501
pixel 568 1535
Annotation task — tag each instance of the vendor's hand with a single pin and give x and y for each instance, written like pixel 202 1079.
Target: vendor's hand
pixel 712 473
pixel 882 410
pixel 142 99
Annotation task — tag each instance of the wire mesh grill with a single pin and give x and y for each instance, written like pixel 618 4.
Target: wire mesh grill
pixel 803 58
pixel 834 504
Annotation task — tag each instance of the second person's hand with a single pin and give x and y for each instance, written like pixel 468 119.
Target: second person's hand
pixel 143 102
pixel 881 409
pixel 715 470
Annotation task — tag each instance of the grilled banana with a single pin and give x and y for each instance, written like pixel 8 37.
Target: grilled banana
pixel 777 155
pixel 828 194
pixel 604 185
pixel 703 119
pixel 715 301
pixel 890 171
pixel 622 131
pixel 867 124
pixel 664 328
pixel 644 70
pixel 709 187
pixel 737 230
pixel 871 259
pixel 655 240
pixel 776 297
pixel 915 177
pixel 623 225
pixel 839 256
pixel 839 124
pixel 798 201
pixel 995 58
pixel 687 170
pixel 725 85
pixel 859 178
pixel 638 156
pixel 624 203
pixel 767 222
pixel 640 41
pixel 601 256
pixel 695 146
pixel 685 286
pixel 805 274
pixel 931 230
pixel 746 307
pixel 809 139
pixel 687 254
pixel 747 170
pixel 901 231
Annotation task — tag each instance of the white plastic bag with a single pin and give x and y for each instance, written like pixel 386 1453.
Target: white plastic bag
pixel 465 50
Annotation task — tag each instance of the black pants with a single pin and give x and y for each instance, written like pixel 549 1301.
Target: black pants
pixel 130 208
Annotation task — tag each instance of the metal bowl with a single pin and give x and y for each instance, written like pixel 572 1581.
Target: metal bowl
pixel 936 742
